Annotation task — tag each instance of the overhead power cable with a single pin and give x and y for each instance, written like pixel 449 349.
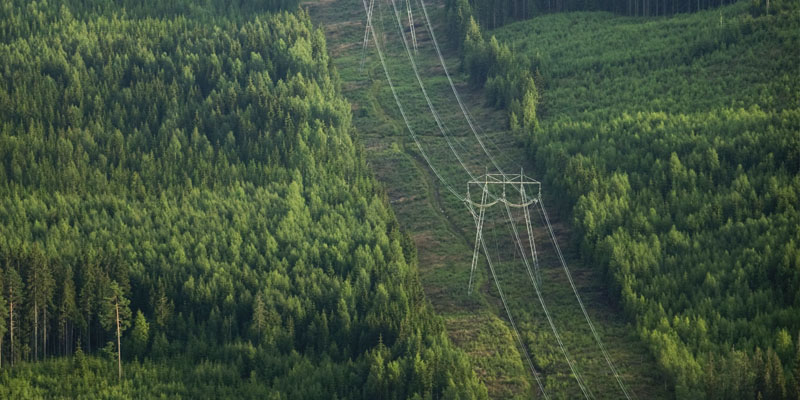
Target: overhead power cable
pixel 580 302
pixel 438 120
pixel 461 105
pixel 468 118
pixel 441 127
pixel 575 373
pixel 508 311
pixel 468 201
pixel 578 378
pixel 405 117
pixel 457 195
pixel 366 31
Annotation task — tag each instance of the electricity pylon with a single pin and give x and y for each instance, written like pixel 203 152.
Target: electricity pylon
pixel 518 182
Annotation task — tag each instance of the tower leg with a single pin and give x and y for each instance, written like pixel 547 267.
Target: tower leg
pixel 478 236
pixel 531 240
pixel 368 9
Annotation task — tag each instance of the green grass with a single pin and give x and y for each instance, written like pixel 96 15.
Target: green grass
pixel 444 231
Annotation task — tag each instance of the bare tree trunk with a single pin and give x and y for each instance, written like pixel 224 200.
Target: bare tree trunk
pixel 11 324
pixel 89 332
pixel 119 350
pixel 35 330
pixel 44 336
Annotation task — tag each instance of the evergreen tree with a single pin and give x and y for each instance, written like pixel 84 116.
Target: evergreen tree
pixel 259 324
pixel 3 313
pixel 67 312
pixel 117 317
pixel 796 371
pixel 774 378
pixel 14 297
pixel 162 305
pixel 140 335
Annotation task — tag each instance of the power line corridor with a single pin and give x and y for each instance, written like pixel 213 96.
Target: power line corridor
pixel 515 184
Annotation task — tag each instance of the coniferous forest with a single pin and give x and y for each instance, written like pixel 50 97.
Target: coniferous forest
pixel 675 143
pixel 188 208
pixel 179 186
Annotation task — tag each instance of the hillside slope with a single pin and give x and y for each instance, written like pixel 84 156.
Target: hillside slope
pixel 191 181
pixel 676 141
pixel 444 231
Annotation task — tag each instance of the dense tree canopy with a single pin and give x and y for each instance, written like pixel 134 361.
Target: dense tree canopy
pixel 493 14
pixel 677 146
pixel 196 162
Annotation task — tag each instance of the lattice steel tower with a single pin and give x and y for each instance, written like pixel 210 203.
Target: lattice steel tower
pixel 518 182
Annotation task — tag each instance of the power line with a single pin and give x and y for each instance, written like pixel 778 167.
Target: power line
pixel 366 30
pixel 580 302
pixel 472 211
pixel 439 123
pixel 453 87
pixel 485 193
pixel 465 111
pixel 508 311
pixel 405 117
pixel 578 378
pixel 469 202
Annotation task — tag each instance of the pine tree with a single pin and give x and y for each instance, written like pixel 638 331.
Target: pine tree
pixel 140 334
pixel 89 291
pixel 67 312
pixel 796 370
pixel 117 316
pixel 13 287
pixel 774 379
pixel 41 287
pixel 162 305
pixel 35 287
pixel 783 345
pixel 3 312
pixel 529 102
pixel 259 316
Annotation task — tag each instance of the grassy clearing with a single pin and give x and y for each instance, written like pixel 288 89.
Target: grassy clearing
pixel 444 231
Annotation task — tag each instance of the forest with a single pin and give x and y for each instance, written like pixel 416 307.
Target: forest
pixel 675 142
pixel 493 14
pixel 185 213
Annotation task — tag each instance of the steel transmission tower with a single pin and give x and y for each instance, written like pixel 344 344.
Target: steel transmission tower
pixel 493 187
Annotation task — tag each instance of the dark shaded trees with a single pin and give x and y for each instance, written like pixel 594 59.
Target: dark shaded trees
pixel 196 164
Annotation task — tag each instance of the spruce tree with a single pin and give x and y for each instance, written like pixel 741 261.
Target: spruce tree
pixel 3 313
pixel 117 317
pixel 140 334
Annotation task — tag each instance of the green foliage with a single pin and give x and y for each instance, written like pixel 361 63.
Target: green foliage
pixel 493 14
pixel 140 335
pixel 507 77
pixel 200 167
pixel 3 313
pixel 116 311
pixel 676 144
